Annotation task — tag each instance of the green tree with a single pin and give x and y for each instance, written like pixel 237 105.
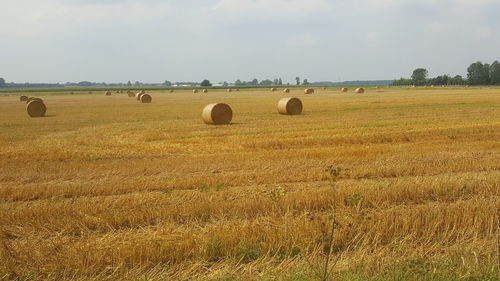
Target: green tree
pixel 305 82
pixel 298 80
pixel 457 80
pixel 205 83
pixel 478 74
pixel 167 83
pixel 129 83
pixel 2 82
pixel 280 82
pixel 495 73
pixel 266 82
pixel 419 76
pixel 254 82
pixel 238 82
pixel 402 82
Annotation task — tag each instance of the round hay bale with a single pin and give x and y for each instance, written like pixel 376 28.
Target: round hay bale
pixel 237 90
pixel 205 90
pixel 145 98
pixel 229 90
pixel 286 90
pixel 130 94
pixel 290 106
pixel 32 98
pixel 108 93
pixel 36 108
pixel 344 90
pixel 23 98
pixel 324 88
pixel 195 91
pixel 273 89
pixel 171 91
pixel 309 91
pixel 359 91
pixel 138 96
pixel 217 114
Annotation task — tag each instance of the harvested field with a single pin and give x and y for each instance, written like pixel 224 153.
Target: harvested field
pixel 104 189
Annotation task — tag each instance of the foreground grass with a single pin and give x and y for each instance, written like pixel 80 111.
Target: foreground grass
pixel 106 188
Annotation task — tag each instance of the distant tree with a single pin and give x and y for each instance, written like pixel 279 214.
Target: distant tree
pixel 205 83
pixel 280 82
pixel 440 80
pixel 84 84
pixel 238 82
pixel 167 83
pixel 266 82
pixel 402 82
pixel 137 83
pixel 478 74
pixel 254 82
pixel 129 83
pixel 276 81
pixel 298 80
pixel 2 82
pixel 495 73
pixel 457 80
pixel 419 76
pixel 305 82
pixel 225 84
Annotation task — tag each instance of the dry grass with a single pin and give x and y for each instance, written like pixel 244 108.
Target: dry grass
pixel 104 189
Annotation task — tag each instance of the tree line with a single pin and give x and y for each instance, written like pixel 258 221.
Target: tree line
pixel 477 74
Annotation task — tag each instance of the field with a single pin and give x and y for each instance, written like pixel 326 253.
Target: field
pixel 406 181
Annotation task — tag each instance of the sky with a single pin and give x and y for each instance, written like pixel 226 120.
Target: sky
pixel 223 40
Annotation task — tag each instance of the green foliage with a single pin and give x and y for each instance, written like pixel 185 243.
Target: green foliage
pixel 2 82
pixel 403 82
pixel 207 188
pixel 478 74
pixel 205 83
pixel 248 252
pixel 266 82
pixel 215 249
pixel 419 76
pixel 203 188
pixel 495 73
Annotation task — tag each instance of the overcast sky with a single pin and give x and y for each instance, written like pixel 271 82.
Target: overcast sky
pixel 225 40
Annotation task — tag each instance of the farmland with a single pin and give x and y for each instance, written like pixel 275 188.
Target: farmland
pixel 107 188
